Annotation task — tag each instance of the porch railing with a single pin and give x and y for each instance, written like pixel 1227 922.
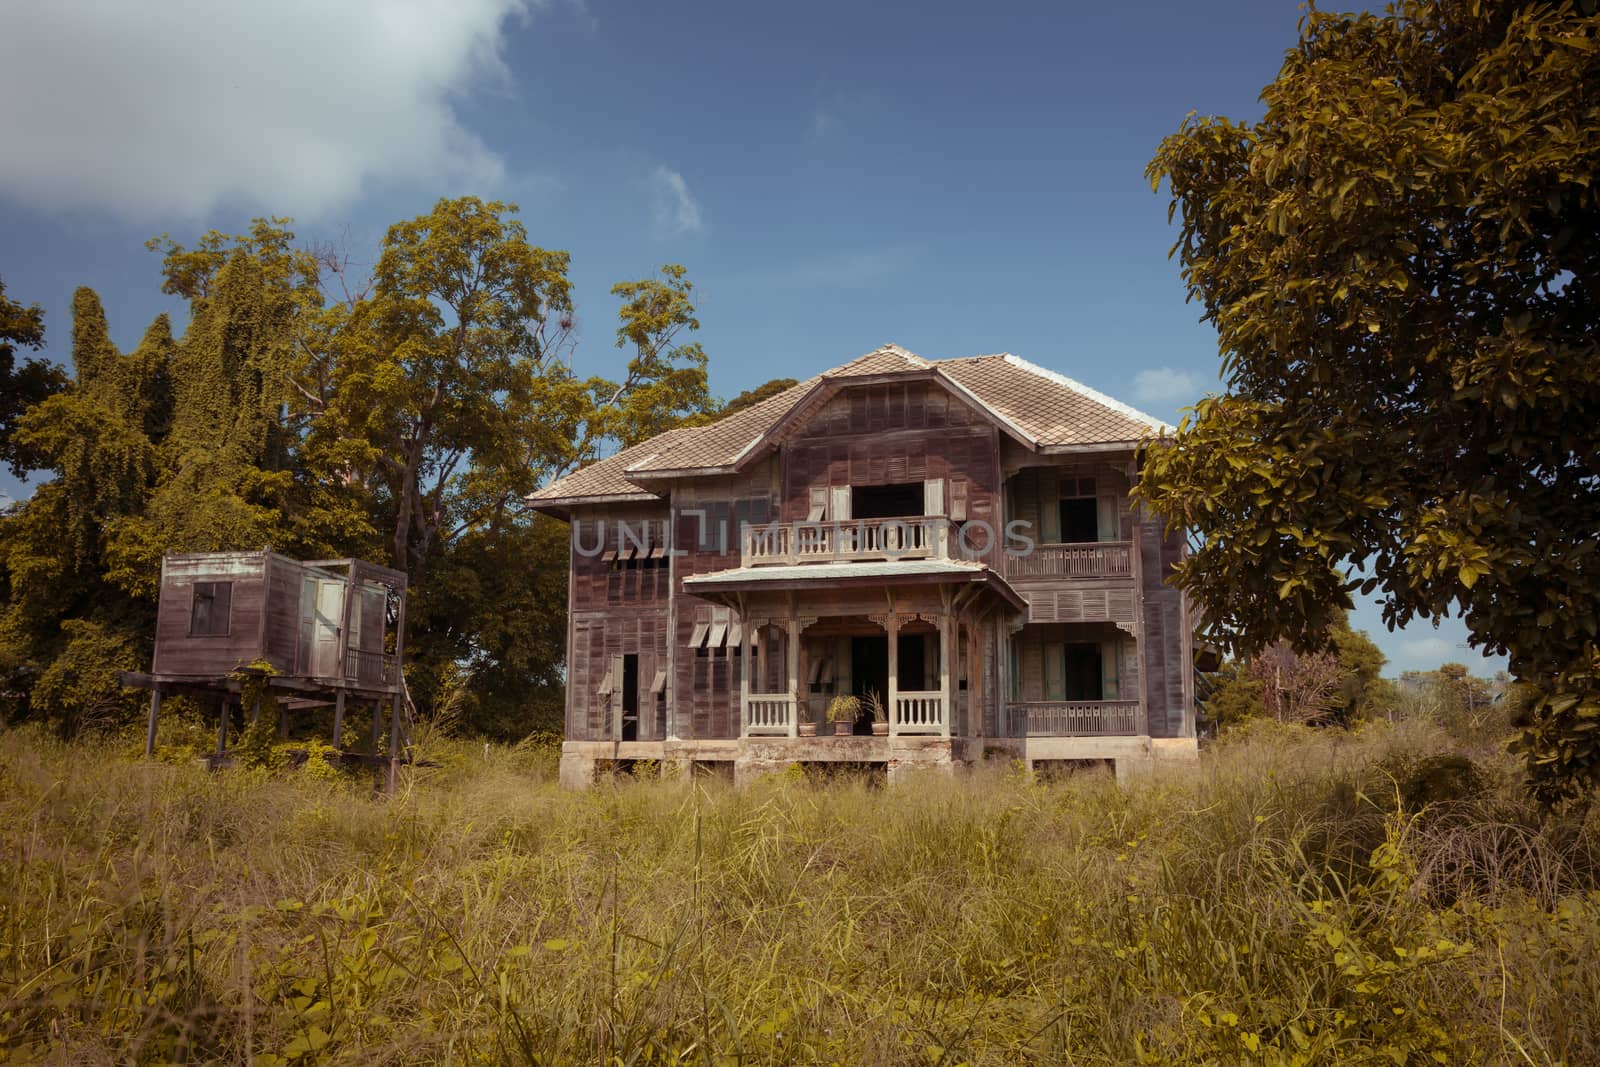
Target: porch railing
pixel 918 713
pixel 1074 718
pixel 371 668
pixel 849 540
pixel 769 713
pixel 1099 559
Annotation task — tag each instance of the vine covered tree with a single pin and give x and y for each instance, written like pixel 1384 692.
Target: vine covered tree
pixel 1402 263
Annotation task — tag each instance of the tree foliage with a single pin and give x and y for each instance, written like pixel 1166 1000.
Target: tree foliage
pixel 1402 263
pixel 24 386
pixel 751 397
pixel 307 407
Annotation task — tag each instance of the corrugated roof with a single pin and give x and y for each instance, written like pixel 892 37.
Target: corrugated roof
pixel 1045 409
pixel 788 572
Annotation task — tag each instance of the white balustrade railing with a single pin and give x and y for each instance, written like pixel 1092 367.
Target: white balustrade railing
pixel 769 713
pixel 848 540
pixel 1101 559
pixel 918 713
pixel 1074 718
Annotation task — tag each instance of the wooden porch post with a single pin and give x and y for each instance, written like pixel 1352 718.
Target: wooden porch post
pixel 748 654
pixel 791 648
pixel 377 724
pixel 892 626
pixel 150 731
pixel 946 651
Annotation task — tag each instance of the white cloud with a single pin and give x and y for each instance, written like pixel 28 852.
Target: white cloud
pixel 1165 387
pixel 676 210
pixel 1425 653
pixel 175 108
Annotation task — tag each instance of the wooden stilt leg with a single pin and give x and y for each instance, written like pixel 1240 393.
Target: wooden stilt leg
pixel 377 724
pixel 394 742
pixel 338 720
pixel 222 727
pixel 150 731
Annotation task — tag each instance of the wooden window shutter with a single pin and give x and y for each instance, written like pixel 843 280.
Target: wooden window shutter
pixel 616 696
pixel 933 496
pixel 1055 671
pixel 839 503
pixel 1107 519
pixel 819 503
pixel 1049 507
pixel 1110 669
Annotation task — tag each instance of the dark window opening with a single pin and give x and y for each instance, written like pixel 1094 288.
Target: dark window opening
pixel 1083 672
pixel 911 663
pixel 1080 520
pixel 630 698
pixel 212 603
pixel 898 501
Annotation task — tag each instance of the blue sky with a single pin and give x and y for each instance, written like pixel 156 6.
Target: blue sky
pixel 954 178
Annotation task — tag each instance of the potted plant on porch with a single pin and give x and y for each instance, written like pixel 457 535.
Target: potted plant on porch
pixel 844 710
pixel 880 713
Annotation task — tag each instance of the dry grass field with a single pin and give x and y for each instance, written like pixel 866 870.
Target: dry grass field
pixel 1381 897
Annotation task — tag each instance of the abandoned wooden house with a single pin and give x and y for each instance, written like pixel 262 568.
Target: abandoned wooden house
pixel 951 543
pixel 323 633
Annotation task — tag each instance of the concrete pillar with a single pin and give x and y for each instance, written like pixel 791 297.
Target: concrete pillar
pixel 947 648
pixel 338 719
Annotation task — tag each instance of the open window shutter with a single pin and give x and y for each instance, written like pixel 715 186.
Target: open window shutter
pixel 1055 672
pixel 819 503
pixel 839 503
pixel 616 696
pixel 1107 519
pixel 958 501
pixel 933 496
pixel 1110 664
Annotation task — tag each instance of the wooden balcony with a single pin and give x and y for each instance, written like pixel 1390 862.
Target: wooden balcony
pixel 847 541
pixel 1073 718
pixel 1098 559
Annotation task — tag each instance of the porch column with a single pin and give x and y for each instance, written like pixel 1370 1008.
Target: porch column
pixel 892 626
pixel 747 667
pixel 947 649
pixel 791 649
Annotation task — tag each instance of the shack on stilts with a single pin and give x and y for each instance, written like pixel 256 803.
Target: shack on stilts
pixel 324 633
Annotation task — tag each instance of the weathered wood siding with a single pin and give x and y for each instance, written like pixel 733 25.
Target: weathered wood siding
pixel 616 608
pixel 1166 640
pixel 176 651
pixel 898 432
pixel 706 516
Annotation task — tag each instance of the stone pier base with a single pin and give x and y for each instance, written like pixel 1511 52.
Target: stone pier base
pixel 744 760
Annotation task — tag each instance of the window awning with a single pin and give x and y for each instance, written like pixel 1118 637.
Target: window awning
pixel 659 683
pixel 719 634
pixel 735 634
pixel 606 684
pixel 697 638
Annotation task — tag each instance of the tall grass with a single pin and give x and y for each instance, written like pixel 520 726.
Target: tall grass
pixel 1300 898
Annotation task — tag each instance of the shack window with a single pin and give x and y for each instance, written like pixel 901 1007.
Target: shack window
pixel 209 615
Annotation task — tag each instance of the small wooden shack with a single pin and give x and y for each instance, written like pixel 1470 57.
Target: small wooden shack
pixel 318 633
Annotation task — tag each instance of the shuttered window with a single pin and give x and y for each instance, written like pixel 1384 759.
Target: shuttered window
pixel 213 603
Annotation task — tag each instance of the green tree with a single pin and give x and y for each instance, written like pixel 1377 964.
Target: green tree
pixel 1402 262
pixel 22 387
pixel 66 629
pixel 751 397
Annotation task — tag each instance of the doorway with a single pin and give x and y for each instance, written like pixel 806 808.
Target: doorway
pixel 630 697
pixel 869 673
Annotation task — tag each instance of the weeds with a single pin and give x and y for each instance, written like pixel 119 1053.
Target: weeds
pixel 1302 898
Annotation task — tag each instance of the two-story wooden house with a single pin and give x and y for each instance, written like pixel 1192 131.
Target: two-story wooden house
pixel 953 538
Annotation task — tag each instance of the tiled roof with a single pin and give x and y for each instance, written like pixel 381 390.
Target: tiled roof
pixel 1050 408
pixel 1044 408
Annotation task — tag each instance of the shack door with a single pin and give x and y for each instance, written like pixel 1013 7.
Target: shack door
pixel 326 617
